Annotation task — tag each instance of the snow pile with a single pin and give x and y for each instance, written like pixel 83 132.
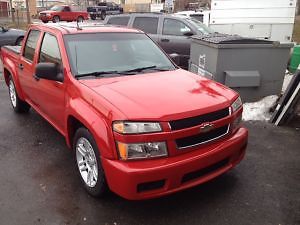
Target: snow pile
pixel 259 110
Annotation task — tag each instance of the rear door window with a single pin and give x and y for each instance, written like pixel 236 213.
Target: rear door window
pixel 50 50
pixel 119 20
pixel 31 43
pixel 175 27
pixel 146 24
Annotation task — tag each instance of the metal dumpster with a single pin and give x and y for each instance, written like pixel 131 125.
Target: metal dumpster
pixel 254 68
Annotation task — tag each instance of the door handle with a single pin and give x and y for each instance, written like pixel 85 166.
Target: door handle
pixel 21 67
pixel 165 40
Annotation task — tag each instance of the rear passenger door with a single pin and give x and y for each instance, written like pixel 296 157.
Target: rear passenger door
pixel 174 40
pixel 147 24
pixel 26 67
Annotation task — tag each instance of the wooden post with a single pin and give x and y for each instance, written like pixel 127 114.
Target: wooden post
pixel 27 12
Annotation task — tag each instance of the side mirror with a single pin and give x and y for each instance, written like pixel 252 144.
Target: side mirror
pixel 175 58
pixel 3 29
pixel 188 33
pixel 49 71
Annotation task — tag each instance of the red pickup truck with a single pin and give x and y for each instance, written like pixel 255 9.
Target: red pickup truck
pixel 62 13
pixel 139 125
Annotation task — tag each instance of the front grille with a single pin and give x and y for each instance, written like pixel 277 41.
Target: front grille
pixel 42 14
pixel 202 138
pixel 197 120
pixel 202 172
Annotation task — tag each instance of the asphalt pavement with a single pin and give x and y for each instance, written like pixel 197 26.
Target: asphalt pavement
pixel 39 184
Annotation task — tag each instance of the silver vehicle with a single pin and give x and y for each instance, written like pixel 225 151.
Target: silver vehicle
pixel 11 36
pixel 172 32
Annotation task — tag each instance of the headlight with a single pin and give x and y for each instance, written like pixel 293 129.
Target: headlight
pixel 142 150
pixel 236 104
pixel 136 127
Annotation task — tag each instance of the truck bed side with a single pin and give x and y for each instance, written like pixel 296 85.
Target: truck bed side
pixel 10 56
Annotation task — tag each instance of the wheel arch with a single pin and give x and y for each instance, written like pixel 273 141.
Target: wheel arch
pixel 84 117
pixel 9 73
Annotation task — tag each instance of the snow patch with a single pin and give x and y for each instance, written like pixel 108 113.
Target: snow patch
pixel 259 110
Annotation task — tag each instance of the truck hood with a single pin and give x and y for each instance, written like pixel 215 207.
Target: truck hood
pixel 162 96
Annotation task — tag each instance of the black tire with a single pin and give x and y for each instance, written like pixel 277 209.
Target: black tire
pixel 18 105
pixel 45 21
pixel 100 188
pixel 103 15
pixel 56 19
pixel 80 19
pixel 93 17
pixel 19 41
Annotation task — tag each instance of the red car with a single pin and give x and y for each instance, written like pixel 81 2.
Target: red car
pixel 139 125
pixel 62 13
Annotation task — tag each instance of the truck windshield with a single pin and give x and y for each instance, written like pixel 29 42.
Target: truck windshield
pixel 200 26
pixel 114 54
pixel 57 8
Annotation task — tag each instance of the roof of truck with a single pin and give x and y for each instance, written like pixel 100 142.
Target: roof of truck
pixel 74 28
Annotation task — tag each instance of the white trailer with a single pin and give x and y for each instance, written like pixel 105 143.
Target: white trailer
pixel 265 19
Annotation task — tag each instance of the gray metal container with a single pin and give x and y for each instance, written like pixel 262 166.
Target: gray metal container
pixel 254 68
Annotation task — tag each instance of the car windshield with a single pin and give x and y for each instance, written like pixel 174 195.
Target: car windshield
pixel 56 8
pixel 114 54
pixel 200 26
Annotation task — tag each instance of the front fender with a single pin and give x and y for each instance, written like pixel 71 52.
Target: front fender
pixel 95 123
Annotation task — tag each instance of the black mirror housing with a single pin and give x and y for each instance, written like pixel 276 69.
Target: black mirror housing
pixel 175 58
pixel 49 71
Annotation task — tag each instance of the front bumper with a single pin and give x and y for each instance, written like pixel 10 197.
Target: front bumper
pixel 45 17
pixel 136 180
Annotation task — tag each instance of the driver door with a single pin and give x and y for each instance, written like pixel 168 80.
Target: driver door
pixel 173 39
pixel 50 95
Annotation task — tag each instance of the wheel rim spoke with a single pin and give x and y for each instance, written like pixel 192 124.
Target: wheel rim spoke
pixel 87 162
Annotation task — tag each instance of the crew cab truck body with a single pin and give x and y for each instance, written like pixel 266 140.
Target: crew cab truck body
pixel 62 13
pixel 103 9
pixel 142 131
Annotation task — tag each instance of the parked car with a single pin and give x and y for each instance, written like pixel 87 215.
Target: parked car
pixel 172 32
pixel 137 123
pixel 103 9
pixel 10 36
pixel 62 13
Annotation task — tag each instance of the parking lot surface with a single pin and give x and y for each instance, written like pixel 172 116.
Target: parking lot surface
pixel 39 184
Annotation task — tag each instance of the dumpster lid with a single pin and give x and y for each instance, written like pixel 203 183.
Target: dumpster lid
pixel 217 38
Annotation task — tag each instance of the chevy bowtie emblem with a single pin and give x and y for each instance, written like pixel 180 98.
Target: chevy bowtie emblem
pixel 206 128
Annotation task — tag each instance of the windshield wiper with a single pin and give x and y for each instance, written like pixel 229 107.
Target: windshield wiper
pixel 140 69
pixel 97 74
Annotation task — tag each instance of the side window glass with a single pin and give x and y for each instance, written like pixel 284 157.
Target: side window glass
pixel 50 50
pixel 67 9
pixel 175 27
pixel 31 43
pixel 119 20
pixel 146 24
